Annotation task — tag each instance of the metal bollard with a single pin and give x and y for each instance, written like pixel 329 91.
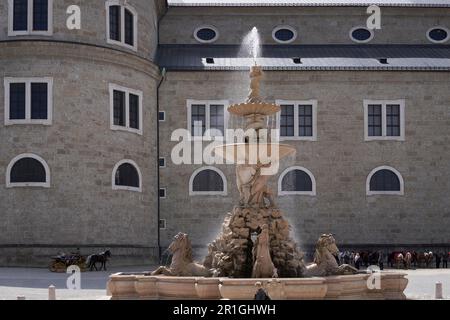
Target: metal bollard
pixel 52 293
pixel 21 298
pixel 438 291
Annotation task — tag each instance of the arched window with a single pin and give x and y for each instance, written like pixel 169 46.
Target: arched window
pixel 385 180
pixel 297 181
pixel 121 24
pixel 28 170
pixel 127 176
pixel 208 181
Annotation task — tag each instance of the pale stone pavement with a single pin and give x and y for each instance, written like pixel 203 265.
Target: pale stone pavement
pixel 33 283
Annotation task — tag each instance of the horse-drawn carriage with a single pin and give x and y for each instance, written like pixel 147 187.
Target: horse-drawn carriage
pixel 61 262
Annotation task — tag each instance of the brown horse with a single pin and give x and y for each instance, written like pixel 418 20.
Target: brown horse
pixel 424 259
pixel 399 260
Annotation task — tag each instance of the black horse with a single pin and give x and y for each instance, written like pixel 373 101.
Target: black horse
pixel 93 259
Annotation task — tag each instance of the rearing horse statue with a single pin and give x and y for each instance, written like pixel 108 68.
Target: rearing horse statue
pixel 325 263
pixel 182 264
pixel 263 266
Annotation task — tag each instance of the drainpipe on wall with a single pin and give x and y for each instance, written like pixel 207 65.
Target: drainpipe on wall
pixel 163 76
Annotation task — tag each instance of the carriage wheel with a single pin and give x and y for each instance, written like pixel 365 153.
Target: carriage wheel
pixel 58 267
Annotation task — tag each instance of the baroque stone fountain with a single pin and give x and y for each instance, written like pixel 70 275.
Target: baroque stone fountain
pixel 255 247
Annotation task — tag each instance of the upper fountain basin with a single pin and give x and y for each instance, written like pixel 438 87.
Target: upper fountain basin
pixel 249 108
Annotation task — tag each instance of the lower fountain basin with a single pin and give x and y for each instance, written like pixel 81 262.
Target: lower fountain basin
pixel 125 286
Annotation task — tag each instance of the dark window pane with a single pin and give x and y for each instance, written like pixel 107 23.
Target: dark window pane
pixel 17 101
pixel 134 111
pixel 217 120
pixel 40 15
pixel 305 120
pixel 162 162
pixel 393 120
pixel 287 121
pixel 208 180
pixel 39 101
pixel 20 15
pixel 284 35
pixel 162 193
pixel 297 180
pixel 119 108
pixel 129 28
pixel 361 34
pixel 438 34
pixel 374 120
pixel 162 116
pixel 114 23
pixel 28 170
pixel 127 176
pixel 198 118
pixel 384 180
pixel 206 34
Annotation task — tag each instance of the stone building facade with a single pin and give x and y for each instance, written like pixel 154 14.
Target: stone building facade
pixel 81 208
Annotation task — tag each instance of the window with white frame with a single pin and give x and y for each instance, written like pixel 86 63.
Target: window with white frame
pixel 28 170
pixel 384 120
pixel 28 101
pixel 126 109
pixel 121 24
pixel 297 181
pixel 30 17
pixel 208 181
pixel 297 120
pixel 207 117
pixel 384 180
pixel 127 176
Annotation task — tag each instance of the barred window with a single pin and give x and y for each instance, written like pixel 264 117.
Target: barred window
pixel 28 101
pixel 297 181
pixel 297 120
pixel 384 120
pixel 30 17
pixel 375 120
pixel 122 24
pixel 126 109
pixel 287 121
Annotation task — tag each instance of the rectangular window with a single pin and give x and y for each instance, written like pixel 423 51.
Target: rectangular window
pixel 17 101
pixel 119 108
pixel 121 24
pixel 375 120
pixel 20 15
pixel 162 116
pixel 287 121
pixel 392 120
pixel 217 119
pixel 28 101
pixel 198 116
pixel 162 162
pixel 305 121
pixel 384 120
pixel 129 28
pixel 30 17
pixel 39 100
pixel 297 120
pixel 207 117
pixel 40 15
pixel 114 23
pixel 126 109
pixel 162 193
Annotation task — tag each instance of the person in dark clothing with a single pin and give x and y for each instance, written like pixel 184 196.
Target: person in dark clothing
pixel 380 260
pixel 438 260
pixel 261 294
pixel 444 260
